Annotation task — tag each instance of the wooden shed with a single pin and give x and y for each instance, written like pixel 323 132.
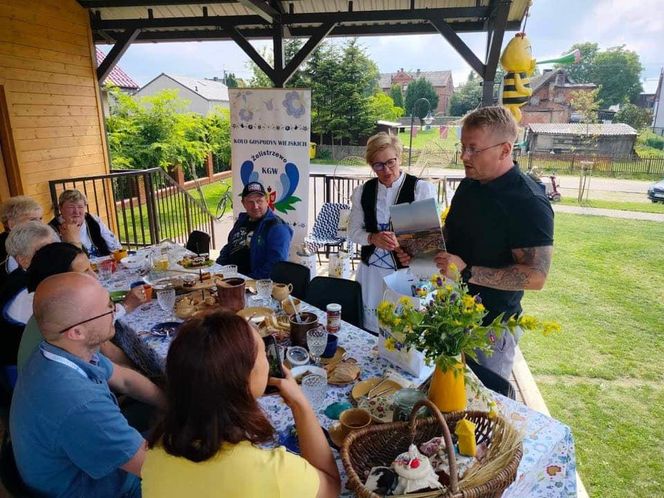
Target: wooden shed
pixel 614 139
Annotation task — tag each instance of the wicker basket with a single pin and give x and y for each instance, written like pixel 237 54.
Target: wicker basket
pixel 379 445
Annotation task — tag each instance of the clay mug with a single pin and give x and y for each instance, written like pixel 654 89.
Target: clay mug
pixel 299 328
pixel 230 293
pixel 281 291
pixel 354 419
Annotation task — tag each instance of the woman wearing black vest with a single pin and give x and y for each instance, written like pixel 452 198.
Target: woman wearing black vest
pixel 369 223
pixel 80 228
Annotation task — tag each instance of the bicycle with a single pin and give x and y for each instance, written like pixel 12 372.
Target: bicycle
pixel 225 202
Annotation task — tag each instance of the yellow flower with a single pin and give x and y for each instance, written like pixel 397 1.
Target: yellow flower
pixel 453 268
pixel 479 307
pixel 550 327
pixel 404 301
pixel 390 344
pixel 421 292
pixel 528 322
pixel 468 301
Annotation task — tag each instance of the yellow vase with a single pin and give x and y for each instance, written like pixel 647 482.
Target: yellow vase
pixel 448 391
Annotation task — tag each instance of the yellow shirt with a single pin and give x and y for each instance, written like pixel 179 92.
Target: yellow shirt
pixel 237 471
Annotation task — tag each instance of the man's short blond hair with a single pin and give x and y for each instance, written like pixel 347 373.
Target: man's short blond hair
pixel 379 142
pixel 72 195
pixel 495 119
pixel 17 207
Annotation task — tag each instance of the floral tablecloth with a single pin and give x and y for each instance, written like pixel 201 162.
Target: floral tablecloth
pixel 547 469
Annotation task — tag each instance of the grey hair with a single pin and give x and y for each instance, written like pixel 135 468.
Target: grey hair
pixel 15 207
pixel 23 239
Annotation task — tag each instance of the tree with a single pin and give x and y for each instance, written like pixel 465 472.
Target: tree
pixel 467 97
pixel 381 106
pixel 618 72
pixel 260 80
pixel 635 116
pixel 582 71
pixel 586 104
pixel 418 89
pixel 397 95
pixel 357 80
pixel 230 80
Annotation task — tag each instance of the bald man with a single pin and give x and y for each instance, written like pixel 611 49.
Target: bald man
pixel 69 436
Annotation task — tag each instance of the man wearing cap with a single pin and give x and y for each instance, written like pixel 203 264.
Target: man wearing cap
pixel 259 238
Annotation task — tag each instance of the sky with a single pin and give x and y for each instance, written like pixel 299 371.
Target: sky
pixel 553 26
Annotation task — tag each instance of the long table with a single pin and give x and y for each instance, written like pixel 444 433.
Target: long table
pixel 548 466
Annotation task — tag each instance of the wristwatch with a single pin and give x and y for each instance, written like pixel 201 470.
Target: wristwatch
pixel 466 273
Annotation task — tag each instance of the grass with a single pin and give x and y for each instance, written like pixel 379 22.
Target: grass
pixel 170 217
pixel 643 207
pixel 430 136
pixel 603 375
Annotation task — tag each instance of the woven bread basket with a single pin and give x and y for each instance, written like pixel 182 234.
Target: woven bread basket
pixel 379 445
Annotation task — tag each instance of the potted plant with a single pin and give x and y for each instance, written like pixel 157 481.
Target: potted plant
pixel 446 329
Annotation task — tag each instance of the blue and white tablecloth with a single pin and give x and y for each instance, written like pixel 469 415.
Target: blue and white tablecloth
pixel 547 469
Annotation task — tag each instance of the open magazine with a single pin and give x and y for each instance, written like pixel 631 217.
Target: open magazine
pixel 418 229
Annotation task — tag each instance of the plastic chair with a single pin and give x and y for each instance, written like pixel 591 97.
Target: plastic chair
pixel 491 379
pixel 286 272
pixel 348 293
pixel 324 231
pixel 198 242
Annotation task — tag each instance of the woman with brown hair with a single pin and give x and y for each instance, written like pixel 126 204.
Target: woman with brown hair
pixel 207 445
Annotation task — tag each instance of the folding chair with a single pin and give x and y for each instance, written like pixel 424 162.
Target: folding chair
pixel 348 293
pixel 324 231
pixel 286 272
pixel 491 379
pixel 198 242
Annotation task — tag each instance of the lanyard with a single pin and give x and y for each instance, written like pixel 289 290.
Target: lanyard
pixel 63 361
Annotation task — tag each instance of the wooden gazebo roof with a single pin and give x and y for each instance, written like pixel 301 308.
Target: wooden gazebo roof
pixel 122 22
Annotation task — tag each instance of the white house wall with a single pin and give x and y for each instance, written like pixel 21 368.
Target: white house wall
pixel 197 103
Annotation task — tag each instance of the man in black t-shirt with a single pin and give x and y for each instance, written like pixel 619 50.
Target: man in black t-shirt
pixel 499 230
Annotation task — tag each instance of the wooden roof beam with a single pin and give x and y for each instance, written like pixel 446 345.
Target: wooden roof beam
pixel 116 52
pixel 263 9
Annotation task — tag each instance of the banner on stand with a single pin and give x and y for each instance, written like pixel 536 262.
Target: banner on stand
pixel 270 132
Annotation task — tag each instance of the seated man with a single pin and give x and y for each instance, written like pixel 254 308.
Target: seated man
pixel 259 238
pixel 76 226
pixel 69 436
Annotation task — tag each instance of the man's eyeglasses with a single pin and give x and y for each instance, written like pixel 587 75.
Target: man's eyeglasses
pixel 111 305
pixel 471 151
pixel 380 166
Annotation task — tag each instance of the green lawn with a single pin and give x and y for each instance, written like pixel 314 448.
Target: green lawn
pixel 603 375
pixel 644 207
pixel 170 218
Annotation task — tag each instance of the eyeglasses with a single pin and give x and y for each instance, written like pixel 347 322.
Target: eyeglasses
pixel 471 151
pixel 111 305
pixel 380 166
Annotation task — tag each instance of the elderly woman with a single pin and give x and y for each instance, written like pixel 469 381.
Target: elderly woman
pixel 13 212
pixel 370 218
pixel 209 441
pixel 76 226
pixel 15 301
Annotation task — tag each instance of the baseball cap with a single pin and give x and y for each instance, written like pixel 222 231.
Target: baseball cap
pixel 253 188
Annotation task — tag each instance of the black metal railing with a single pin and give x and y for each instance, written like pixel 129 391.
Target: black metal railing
pixel 142 207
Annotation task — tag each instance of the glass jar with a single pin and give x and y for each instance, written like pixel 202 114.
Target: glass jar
pixel 404 401
pixel 333 318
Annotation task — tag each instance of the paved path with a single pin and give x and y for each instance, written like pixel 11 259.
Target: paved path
pixel 612 213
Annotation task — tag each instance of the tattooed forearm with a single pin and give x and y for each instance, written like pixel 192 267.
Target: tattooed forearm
pixel 529 271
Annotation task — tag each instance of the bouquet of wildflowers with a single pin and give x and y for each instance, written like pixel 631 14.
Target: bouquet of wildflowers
pixel 449 325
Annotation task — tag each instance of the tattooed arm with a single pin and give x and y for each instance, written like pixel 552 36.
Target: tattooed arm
pixel 529 271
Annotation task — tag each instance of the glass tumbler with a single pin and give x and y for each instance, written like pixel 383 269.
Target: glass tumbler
pixel 315 388
pixel 264 291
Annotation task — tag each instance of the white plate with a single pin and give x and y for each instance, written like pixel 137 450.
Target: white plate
pixel 134 261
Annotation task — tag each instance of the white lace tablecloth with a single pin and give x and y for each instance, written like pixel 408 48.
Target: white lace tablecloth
pixel 547 469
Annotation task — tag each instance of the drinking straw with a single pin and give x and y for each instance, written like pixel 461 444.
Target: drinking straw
pixel 297 315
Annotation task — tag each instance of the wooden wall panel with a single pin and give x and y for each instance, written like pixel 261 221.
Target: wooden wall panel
pixel 47 64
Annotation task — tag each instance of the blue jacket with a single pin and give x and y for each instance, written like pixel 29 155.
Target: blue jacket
pixel 269 244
